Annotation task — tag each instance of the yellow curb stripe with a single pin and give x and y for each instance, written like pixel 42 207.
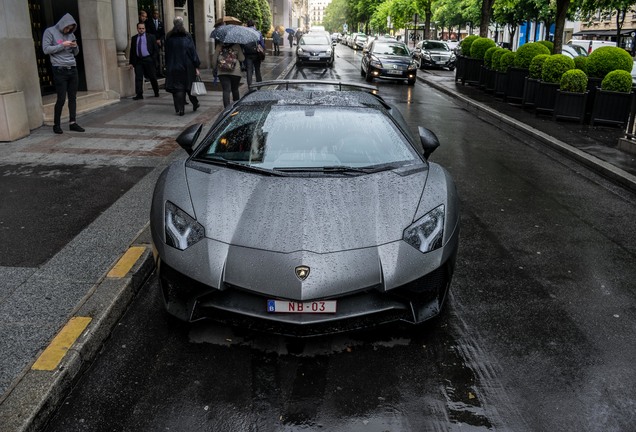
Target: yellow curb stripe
pixel 57 349
pixel 126 262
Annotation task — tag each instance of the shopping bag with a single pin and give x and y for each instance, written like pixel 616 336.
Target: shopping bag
pixel 198 87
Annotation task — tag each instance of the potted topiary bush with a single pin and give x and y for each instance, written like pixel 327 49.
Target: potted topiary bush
pixel 580 62
pixel 602 61
pixel 487 71
pixel 473 64
pixel 533 80
pixel 506 60
pixel 464 53
pixel 518 73
pixel 553 68
pixel 614 99
pixel 549 45
pixel 571 96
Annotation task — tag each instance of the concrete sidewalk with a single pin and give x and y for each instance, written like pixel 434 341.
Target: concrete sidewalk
pixel 109 261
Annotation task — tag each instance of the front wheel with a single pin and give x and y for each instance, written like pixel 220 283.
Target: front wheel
pixel 411 81
pixel 362 73
pixel 369 77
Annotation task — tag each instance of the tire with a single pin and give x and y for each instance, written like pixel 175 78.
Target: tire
pixel 411 81
pixel 362 73
pixel 452 68
pixel 368 77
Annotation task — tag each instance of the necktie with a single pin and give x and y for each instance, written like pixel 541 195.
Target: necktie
pixel 138 46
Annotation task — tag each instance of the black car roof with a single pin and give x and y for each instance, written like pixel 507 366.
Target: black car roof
pixel 314 97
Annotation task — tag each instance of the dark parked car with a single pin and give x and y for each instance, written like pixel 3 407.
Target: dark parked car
pixel 433 53
pixel 315 48
pixel 305 212
pixel 388 59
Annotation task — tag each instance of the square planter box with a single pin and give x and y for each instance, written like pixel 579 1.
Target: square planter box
pixel 570 106
pixel 501 79
pixel 490 79
pixel 530 92
pixel 611 107
pixel 472 70
pixel 460 67
pixel 515 85
pixel 546 97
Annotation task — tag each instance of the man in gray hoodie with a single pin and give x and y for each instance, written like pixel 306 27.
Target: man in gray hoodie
pixel 60 44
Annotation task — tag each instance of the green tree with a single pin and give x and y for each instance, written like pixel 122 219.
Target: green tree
pixel 337 13
pixel 266 17
pixel 244 10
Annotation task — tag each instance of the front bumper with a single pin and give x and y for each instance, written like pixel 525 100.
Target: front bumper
pixel 389 73
pixel 437 62
pixel 243 302
pixel 308 58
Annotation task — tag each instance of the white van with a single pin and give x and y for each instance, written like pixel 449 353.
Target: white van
pixel 590 45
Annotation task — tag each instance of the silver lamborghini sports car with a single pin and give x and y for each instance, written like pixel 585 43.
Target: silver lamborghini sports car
pixel 303 211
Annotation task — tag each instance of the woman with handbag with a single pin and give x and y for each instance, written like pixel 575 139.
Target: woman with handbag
pixel 182 63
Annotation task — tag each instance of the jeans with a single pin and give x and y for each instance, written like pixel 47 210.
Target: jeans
pixel 253 64
pixel 66 81
pixel 230 84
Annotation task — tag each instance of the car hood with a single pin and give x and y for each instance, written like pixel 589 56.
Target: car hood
pixel 394 59
pixel 318 214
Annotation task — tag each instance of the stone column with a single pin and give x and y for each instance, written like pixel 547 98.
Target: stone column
pixel 121 30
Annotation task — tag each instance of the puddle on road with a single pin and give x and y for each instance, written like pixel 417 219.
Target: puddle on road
pixel 226 336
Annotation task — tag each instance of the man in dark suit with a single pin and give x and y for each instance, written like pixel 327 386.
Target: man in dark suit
pixel 143 53
pixel 154 26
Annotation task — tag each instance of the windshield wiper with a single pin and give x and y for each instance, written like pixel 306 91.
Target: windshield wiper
pixel 337 169
pixel 240 166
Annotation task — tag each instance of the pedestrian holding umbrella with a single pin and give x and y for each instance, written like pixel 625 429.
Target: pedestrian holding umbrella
pixel 234 34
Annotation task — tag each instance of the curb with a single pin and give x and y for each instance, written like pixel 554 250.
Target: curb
pixel 36 396
pixel 522 130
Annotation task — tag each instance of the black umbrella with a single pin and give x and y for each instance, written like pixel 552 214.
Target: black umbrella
pixel 231 34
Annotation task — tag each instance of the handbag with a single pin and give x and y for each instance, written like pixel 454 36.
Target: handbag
pixel 198 87
pixel 261 52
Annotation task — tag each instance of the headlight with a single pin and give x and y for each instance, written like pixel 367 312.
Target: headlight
pixel 328 52
pixel 427 234
pixel 376 63
pixel 427 56
pixel 182 231
pixel 299 51
pixel 452 57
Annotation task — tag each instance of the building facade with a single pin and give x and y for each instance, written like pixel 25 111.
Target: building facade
pixel 104 30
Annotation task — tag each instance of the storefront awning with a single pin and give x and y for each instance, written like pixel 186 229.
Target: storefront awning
pixel 603 33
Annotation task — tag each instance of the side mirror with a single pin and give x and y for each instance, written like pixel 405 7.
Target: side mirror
pixel 189 136
pixel 429 141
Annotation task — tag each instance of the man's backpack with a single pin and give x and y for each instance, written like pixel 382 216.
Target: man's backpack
pixel 227 59
pixel 250 48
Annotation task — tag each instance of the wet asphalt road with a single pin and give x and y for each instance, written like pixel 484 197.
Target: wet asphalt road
pixel 538 333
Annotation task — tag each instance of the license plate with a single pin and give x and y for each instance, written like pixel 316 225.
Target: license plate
pixel 440 62
pixel 314 58
pixel 312 307
pixel 394 72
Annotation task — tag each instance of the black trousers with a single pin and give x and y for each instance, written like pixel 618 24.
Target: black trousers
pixel 66 81
pixel 145 67
pixel 179 98
pixel 230 85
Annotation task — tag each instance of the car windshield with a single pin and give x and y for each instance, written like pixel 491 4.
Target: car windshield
pixel 391 48
pixel 270 136
pixel 578 49
pixel 433 45
pixel 314 40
